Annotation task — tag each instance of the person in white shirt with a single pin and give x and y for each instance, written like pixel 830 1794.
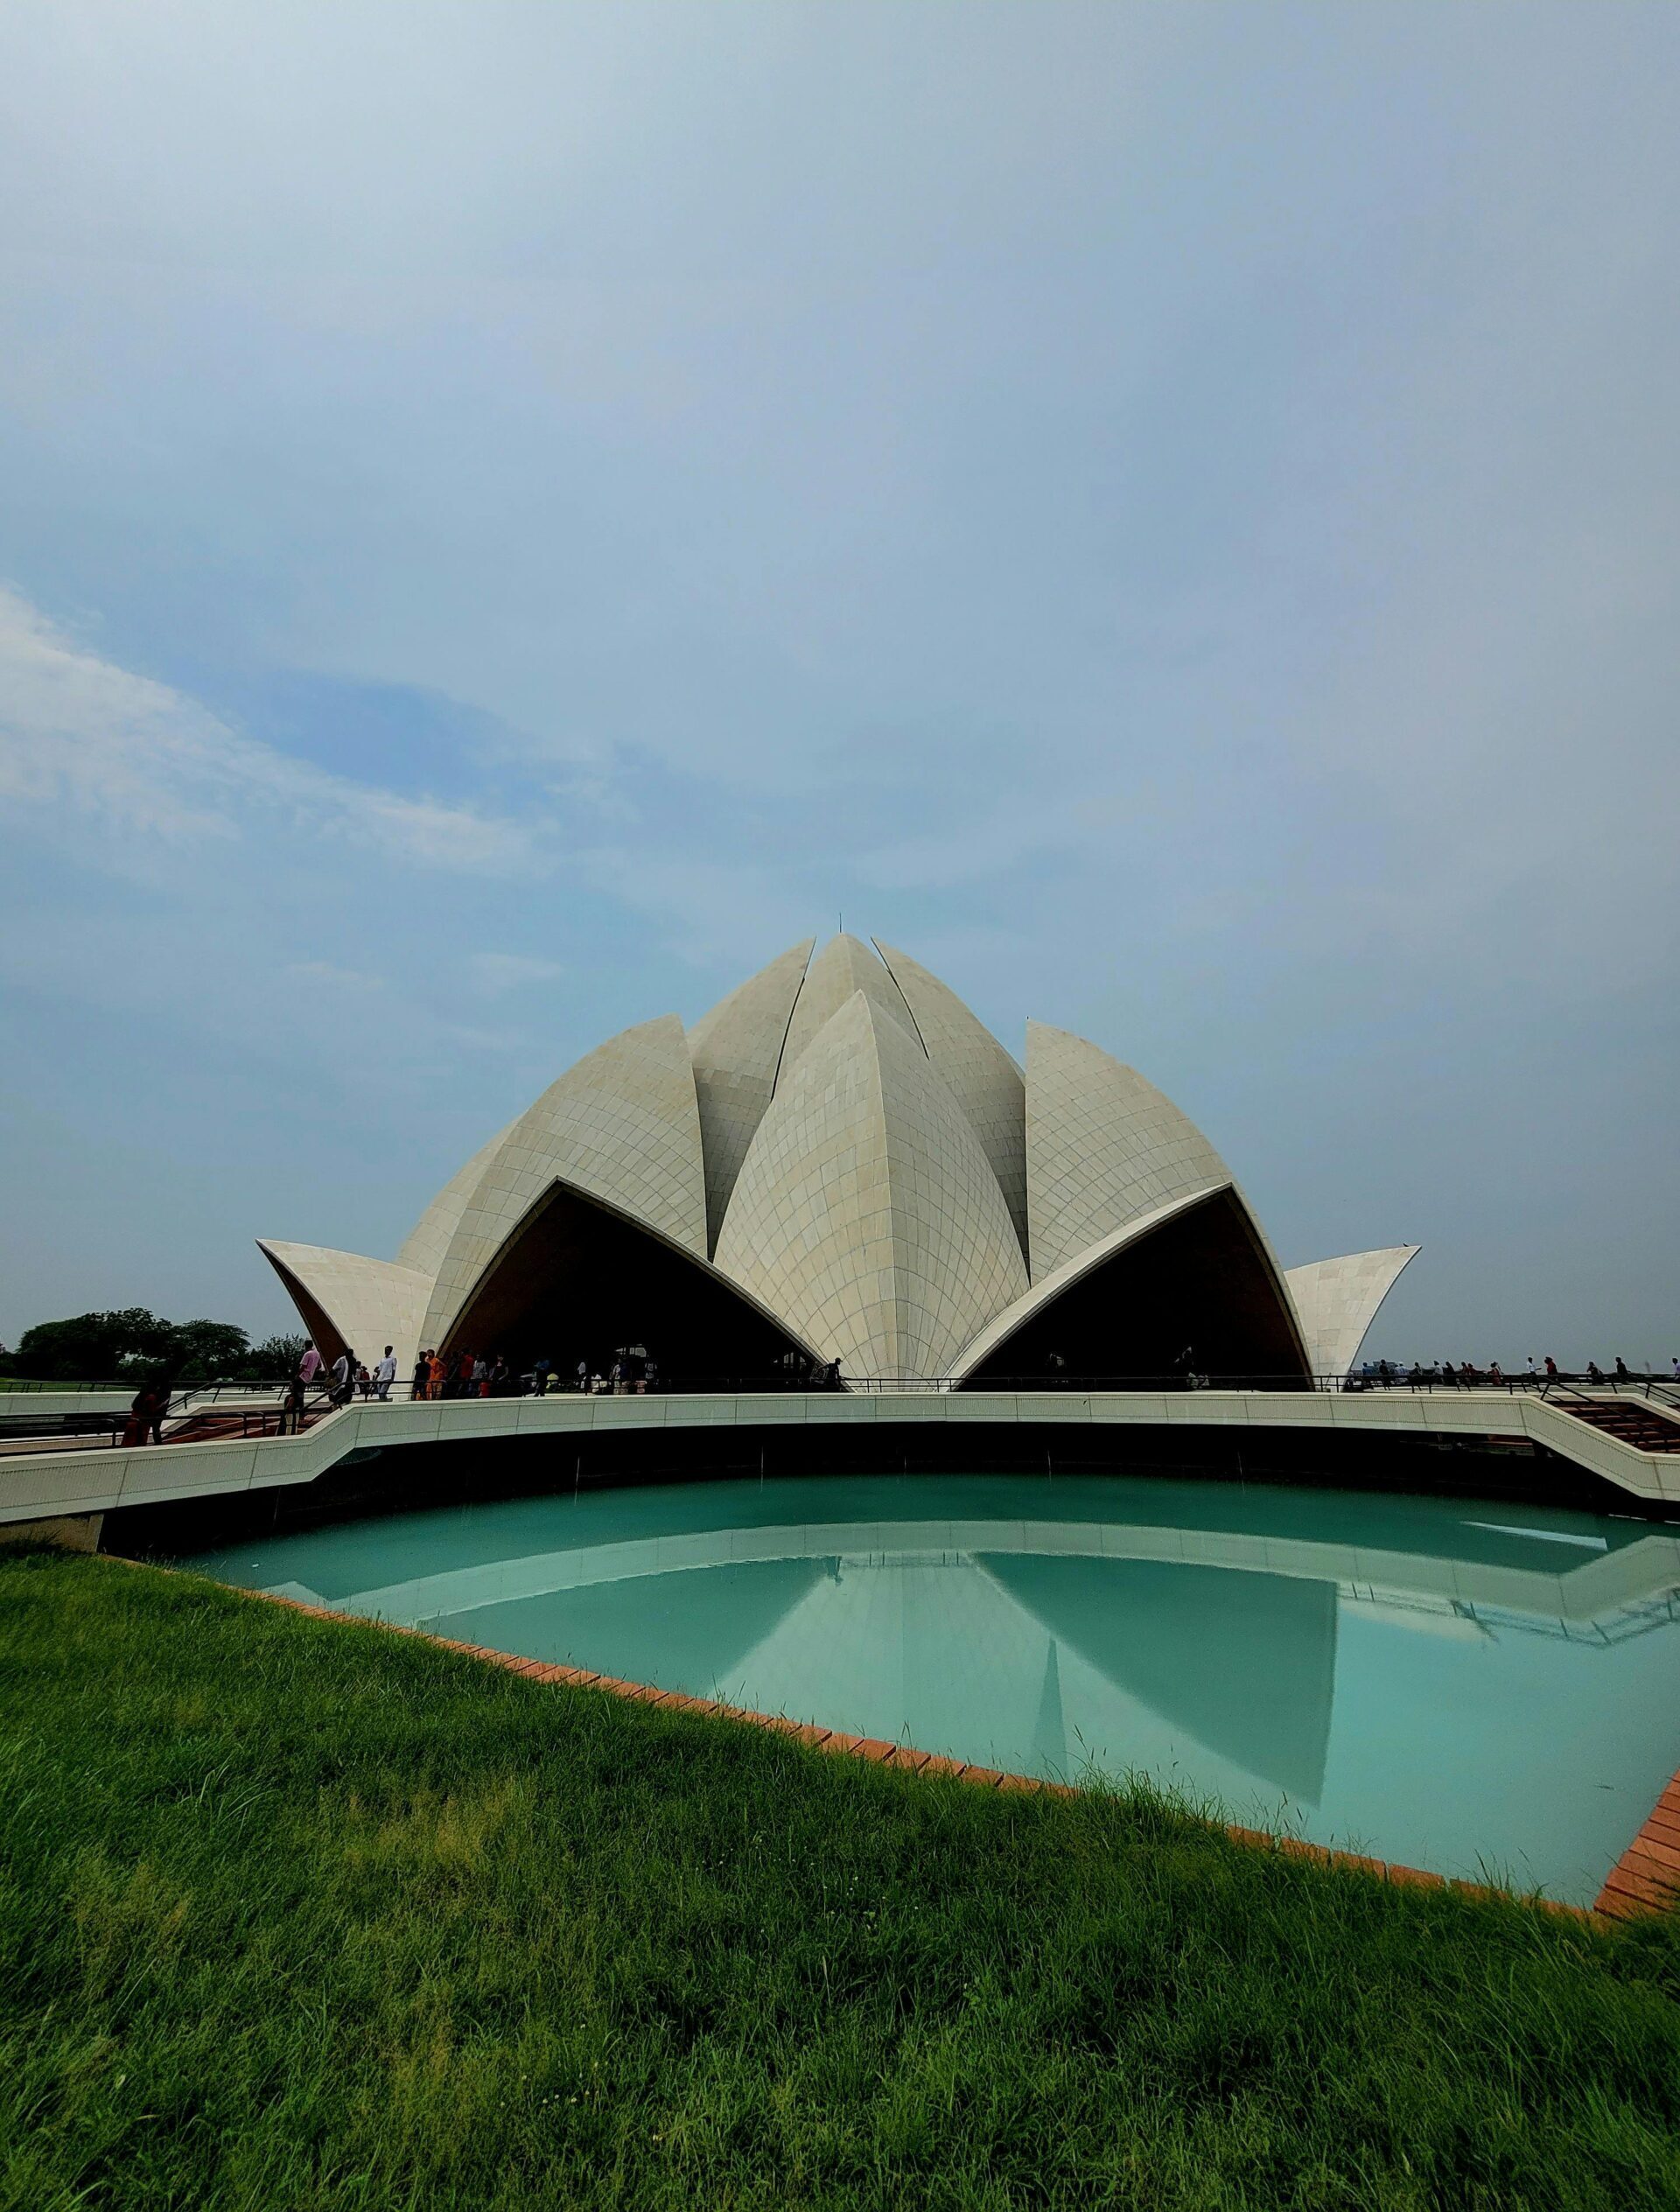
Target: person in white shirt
pixel 384 1374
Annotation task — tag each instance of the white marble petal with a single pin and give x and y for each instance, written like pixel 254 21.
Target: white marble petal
pixel 623 1124
pixel 348 1301
pixel 843 967
pixel 866 1214
pixel 427 1241
pixel 1337 1301
pixel 1103 1148
pixel 736 1050
pixel 987 1084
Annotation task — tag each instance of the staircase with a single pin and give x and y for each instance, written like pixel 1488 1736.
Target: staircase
pixel 1634 1421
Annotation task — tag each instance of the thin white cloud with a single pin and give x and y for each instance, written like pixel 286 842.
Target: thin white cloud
pixel 498 972
pixel 329 975
pixel 79 731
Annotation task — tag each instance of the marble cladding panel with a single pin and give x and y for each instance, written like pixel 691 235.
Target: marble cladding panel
pixel 866 1213
pixel 980 1074
pixel 736 1049
pixel 1103 1147
pixel 623 1124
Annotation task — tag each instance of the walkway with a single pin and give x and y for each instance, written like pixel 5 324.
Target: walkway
pixel 53 1485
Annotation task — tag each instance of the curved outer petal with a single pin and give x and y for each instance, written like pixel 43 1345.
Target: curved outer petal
pixel 622 1124
pixel 1103 1148
pixel 351 1303
pixel 1196 1267
pixel 577 1268
pixel 736 1050
pixel 987 1084
pixel 866 1214
pixel 427 1241
pixel 1048 1288
pixel 1337 1301
pixel 843 967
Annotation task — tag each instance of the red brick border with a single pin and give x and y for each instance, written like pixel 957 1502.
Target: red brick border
pixel 1645 1887
pixel 1646 1876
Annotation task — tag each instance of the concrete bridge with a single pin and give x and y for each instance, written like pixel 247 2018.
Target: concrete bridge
pixel 65 1494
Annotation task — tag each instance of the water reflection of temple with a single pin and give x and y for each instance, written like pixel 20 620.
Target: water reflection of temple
pixel 1046 1644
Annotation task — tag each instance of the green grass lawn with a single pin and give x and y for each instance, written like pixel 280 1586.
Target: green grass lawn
pixel 294 1914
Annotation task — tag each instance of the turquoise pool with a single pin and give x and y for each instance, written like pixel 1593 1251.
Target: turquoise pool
pixel 1481 1689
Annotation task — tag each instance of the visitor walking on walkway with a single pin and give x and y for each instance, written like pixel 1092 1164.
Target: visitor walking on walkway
pixel 309 1366
pixel 384 1375
pixel 420 1387
pixel 343 1372
pixel 145 1421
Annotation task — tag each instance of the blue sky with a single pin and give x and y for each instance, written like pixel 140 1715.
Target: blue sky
pixel 511 516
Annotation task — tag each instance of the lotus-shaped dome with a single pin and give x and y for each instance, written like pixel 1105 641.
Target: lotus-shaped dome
pixel 839 1166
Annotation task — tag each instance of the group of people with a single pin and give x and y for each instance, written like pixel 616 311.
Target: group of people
pixel 1383 1373
pixel 462 1375
pixel 341 1379
pixel 478 1374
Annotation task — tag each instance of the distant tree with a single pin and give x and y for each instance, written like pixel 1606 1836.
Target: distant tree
pixel 94 1347
pixel 133 1343
pixel 275 1358
pixel 199 1351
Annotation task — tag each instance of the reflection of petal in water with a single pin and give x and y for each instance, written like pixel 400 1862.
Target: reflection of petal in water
pixel 679 1631
pixel 1050 1735
pixel 922 1647
pixel 1246 1662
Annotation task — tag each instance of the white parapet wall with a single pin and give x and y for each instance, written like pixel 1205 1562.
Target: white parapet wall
pixel 42 1485
pixel 19 1405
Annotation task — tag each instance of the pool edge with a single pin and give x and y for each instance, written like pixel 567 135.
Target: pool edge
pixel 1645 1879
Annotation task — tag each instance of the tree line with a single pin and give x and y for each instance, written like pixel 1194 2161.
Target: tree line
pixel 134 1345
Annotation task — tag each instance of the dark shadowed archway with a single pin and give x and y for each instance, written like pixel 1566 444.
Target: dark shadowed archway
pixel 1201 1280
pixel 576 1279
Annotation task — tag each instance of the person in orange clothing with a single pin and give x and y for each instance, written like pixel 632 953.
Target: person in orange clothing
pixel 434 1375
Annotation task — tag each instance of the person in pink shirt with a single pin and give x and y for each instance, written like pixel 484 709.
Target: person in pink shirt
pixel 309 1366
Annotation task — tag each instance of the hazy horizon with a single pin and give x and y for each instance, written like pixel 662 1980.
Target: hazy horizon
pixel 514 516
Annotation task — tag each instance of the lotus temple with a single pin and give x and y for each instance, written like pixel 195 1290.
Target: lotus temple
pixel 987 1437
pixel 839 1168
